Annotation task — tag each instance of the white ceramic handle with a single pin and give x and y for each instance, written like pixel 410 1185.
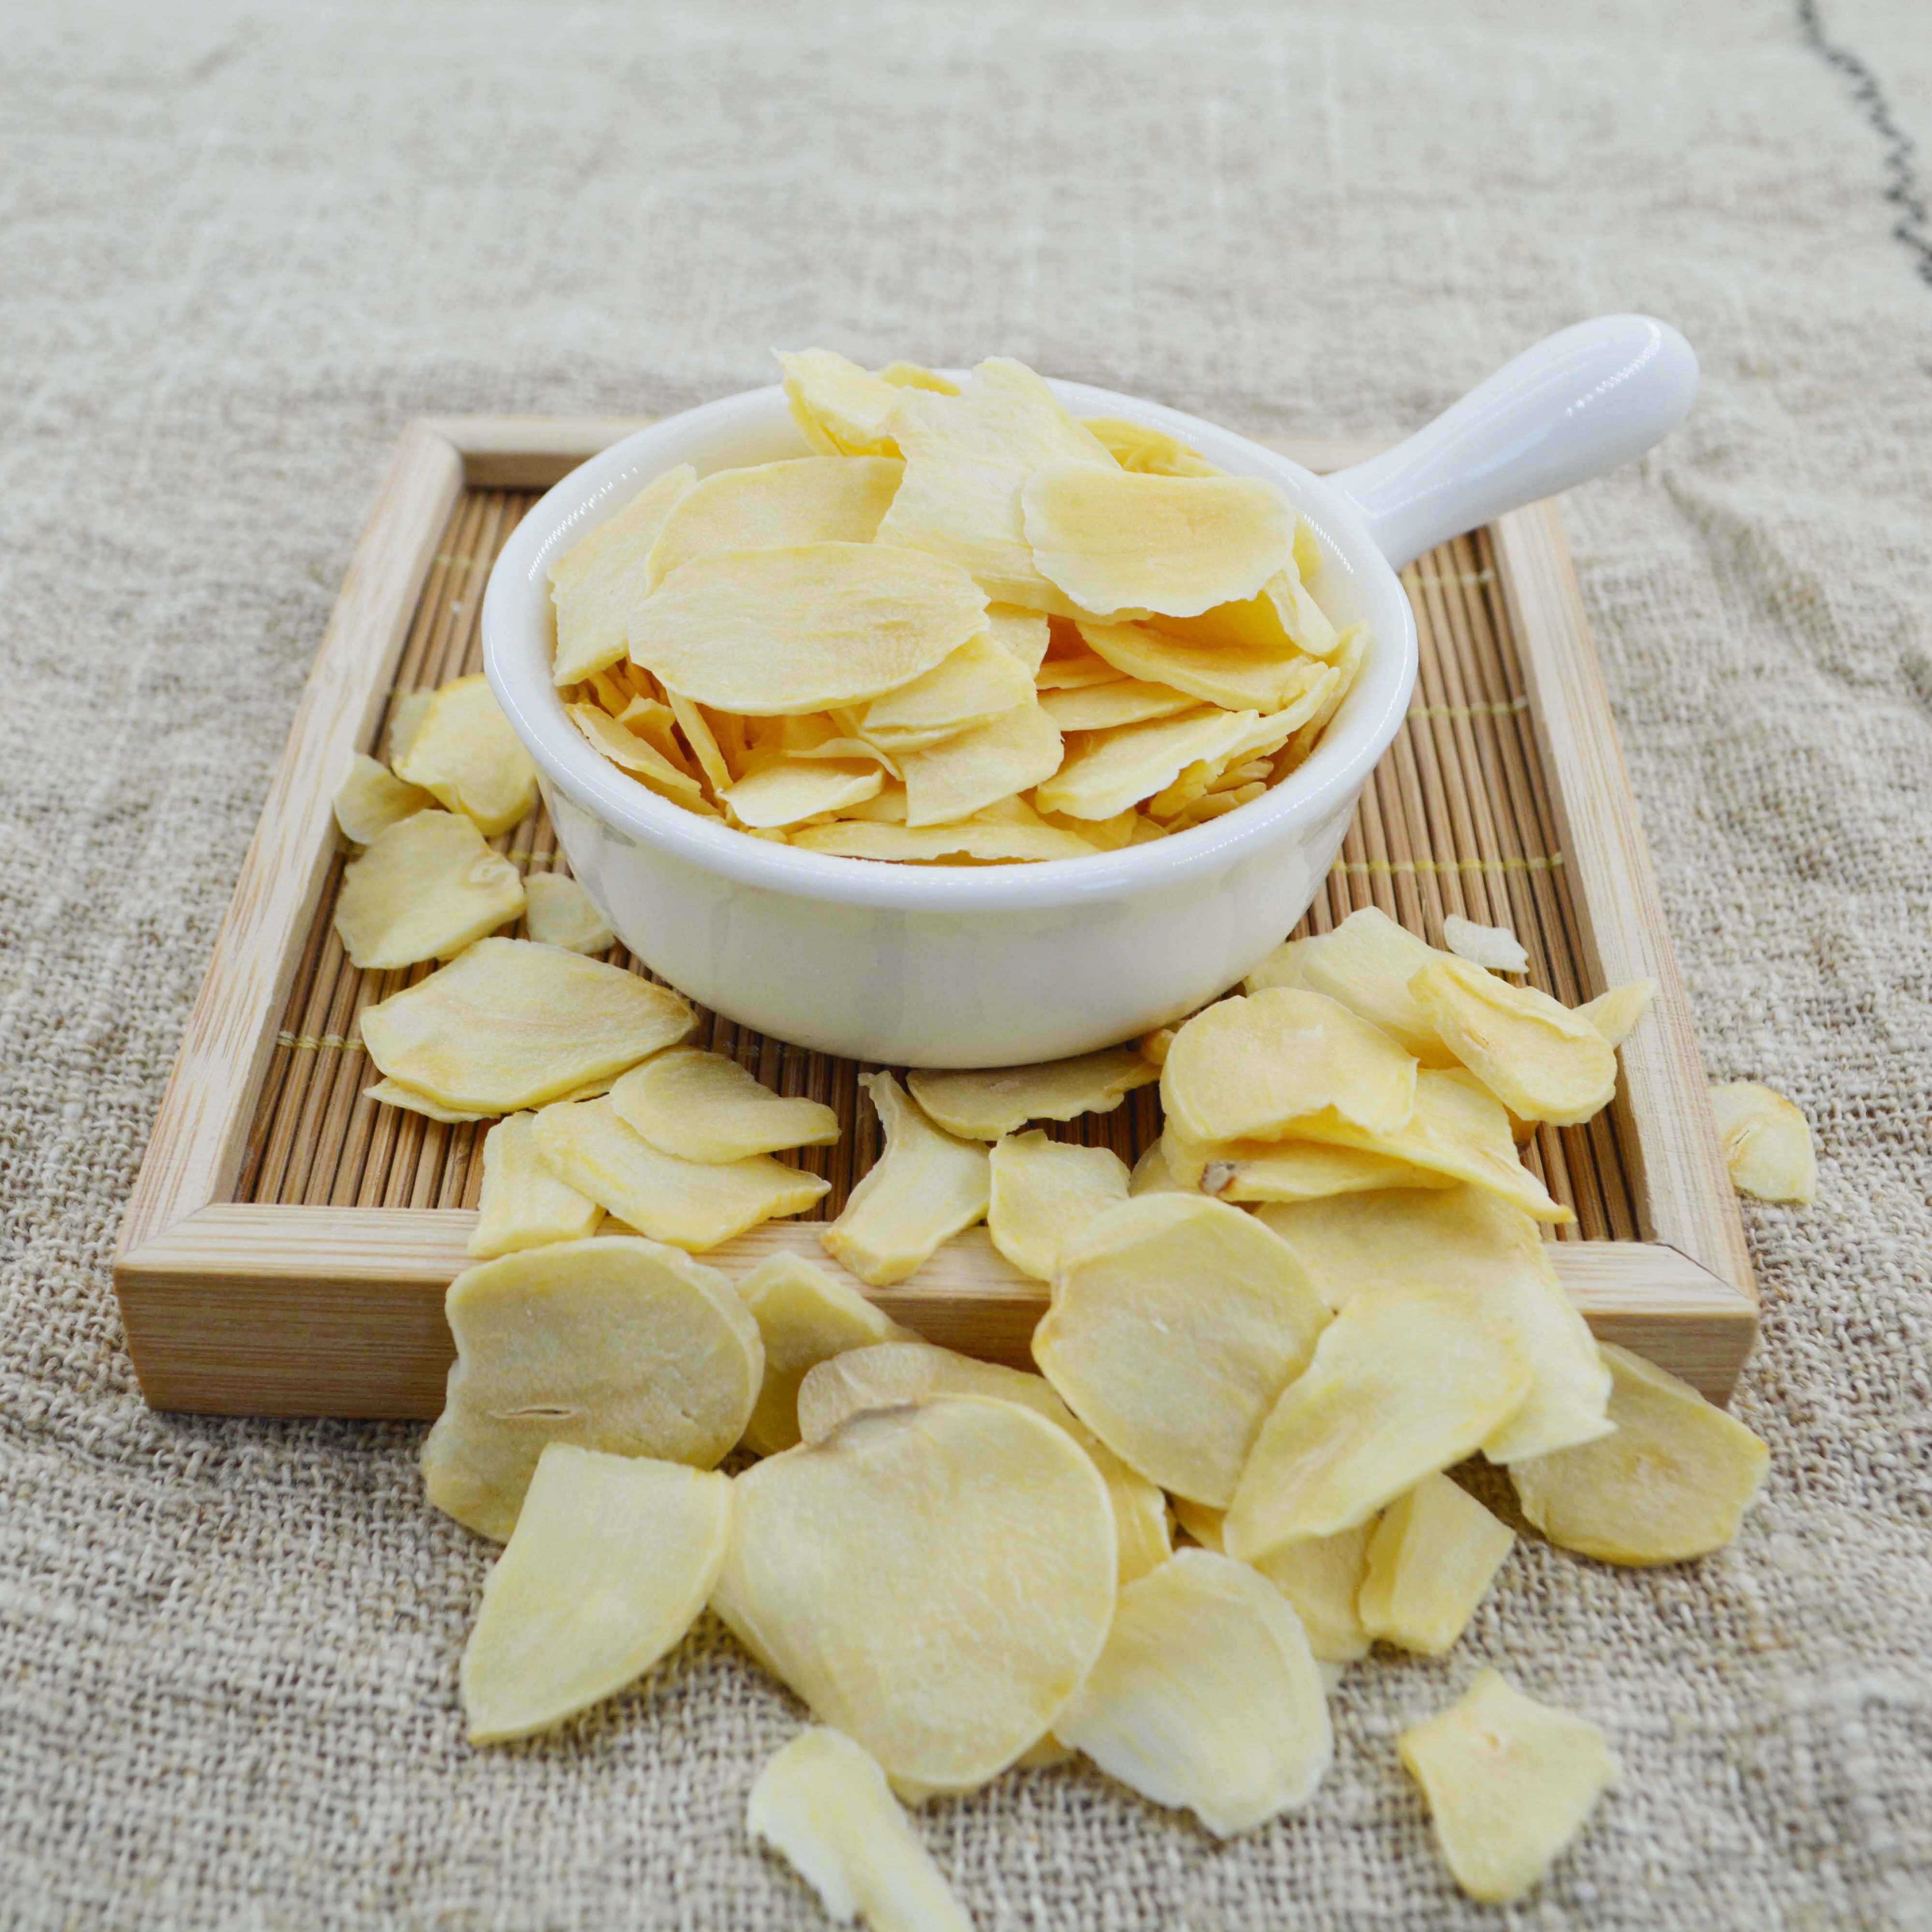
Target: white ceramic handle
pixel 1578 404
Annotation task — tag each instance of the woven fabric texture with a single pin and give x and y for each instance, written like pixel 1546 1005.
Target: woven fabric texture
pixel 243 244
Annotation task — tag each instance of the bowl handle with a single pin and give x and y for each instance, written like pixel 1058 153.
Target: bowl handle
pixel 1578 404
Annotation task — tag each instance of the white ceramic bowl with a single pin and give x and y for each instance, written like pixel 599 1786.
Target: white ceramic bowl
pixel 943 966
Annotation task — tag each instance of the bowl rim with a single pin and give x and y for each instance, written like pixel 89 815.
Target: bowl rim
pixel 518 667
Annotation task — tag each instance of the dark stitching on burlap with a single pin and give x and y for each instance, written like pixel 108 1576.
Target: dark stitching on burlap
pixel 1914 225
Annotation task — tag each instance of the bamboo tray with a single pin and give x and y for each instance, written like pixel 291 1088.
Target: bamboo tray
pixel 288 1242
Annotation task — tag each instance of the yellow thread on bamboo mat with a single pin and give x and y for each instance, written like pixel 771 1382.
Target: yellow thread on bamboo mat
pixel 1480 709
pixel 1538 864
pixel 309 1043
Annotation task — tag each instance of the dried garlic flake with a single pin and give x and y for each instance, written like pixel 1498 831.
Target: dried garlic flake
pixel 1175 1323
pixel 465 754
pixel 611 1560
pixel 510 1023
pixel 1509 1782
pixel 523 1203
pixel 704 1107
pixel 371 799
pixel 986 1103
pixel 427 887
pixel 691 1205
pixel 934 1580
pixel 823 1804
pixel 1494 946
pixel 806 1317
pixel 1432 1560
pixel 926 1186
pixel 560 913
pixel 1044 1192
pixel 1207 1696
pixel 1115 539
pixel 1671 1481
pixel 1766 1141
pixel 615 1344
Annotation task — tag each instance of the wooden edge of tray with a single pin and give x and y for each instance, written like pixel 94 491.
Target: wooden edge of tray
pixel 184 1245
pixel 228 1300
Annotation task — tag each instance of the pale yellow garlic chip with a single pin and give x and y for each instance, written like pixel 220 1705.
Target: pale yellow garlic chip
pixel 371 799
pixel 1207 1696
pixel 596 584
pixel 1114 539
pixel 702 737
pixel 523 1204
pixel 983 1103
pixel 1121 701
pixel 465 755
pixel 1249 1067
pixel 1175 1323
pixel 1152 452
pixel 1365 963
pixel 1152 1047
pixel 656 724
pixel 1472 1244
pixel 1227 675
pixel 406 718
pixel 559 913
pixel 1308 558
pixel 633 754
pixel 765 632
pixel 510 1025
pixel 1539 1059
pixel 1766 1141
pixel 805 1317
pixel 1671 1481
pixel 841 409
pixel 688 1204
pixel 1319 1576
pixel 1259 1170
pixel 917 375
pixel 981 680
pixel 1406 1380
pixel 615 1344
pixel 926 1186
pixel 1044 1192
pixel 908 1371
pixel 968 458
pixel 934 1580
pixel 394 1094
pixel 1074 673
pixel 705 1107
pixel 793 791
pixel 823 1803
pixel 927 844
pixel 1345 661
pixel 1023 634
pixel 810 499
pixel 1431 1559
pixel 1108 772
pixel 612 1558
pixel 888 808
pixel 1510 1782
pixel 1152 1175
pixel 979 766
pixel 1615 1014
pixel 1459 1128
pixel 1100 835
pixel 1493 947
pixel 424 888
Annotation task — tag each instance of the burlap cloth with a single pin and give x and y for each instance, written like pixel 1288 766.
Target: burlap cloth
pixel 241 245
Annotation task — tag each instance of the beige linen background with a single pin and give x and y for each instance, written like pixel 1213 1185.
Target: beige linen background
pixel 240 245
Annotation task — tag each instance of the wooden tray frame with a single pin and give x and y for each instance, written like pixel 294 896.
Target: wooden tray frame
pixel 243 1308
